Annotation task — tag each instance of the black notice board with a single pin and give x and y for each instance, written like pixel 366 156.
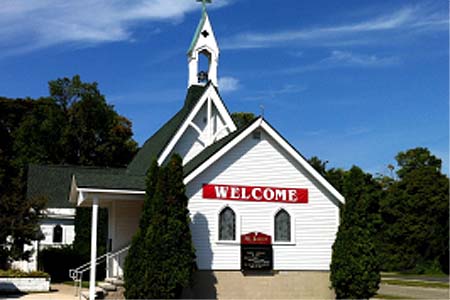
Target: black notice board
pixel 256 257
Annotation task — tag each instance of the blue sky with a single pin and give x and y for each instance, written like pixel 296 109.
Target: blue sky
pixel 353 82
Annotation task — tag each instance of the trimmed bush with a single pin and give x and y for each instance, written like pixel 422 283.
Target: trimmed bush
pixel 355 270
pixel 19 273
pixel 161 260
pixel 58 261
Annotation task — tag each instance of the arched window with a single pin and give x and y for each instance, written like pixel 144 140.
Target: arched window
pixel 227 225
pixel 282 226
pixel 57 234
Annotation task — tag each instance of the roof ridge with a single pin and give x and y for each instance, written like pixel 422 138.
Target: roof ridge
pixel 67 166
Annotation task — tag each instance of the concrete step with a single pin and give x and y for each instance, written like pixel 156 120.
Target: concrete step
pixel 99 293
pixel 115 281
pixel 107 286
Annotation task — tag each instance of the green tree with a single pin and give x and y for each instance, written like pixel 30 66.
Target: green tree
pixel 19 226
pixel 137 261
pixel 354 268
pixel 336 176
pixel 38 137
pixel 415 215
pixel 319 165
pixel 161 260
pixel 18 215
pixel 74 125
pixel 179 240
pixel 417 159
pixel 333 175
pixel 242 119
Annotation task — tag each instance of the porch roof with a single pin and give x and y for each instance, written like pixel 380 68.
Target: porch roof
pixel 54 181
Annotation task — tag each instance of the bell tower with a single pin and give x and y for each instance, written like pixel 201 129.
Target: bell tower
pixel 203 46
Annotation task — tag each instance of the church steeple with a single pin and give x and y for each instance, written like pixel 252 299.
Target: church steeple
pixel 203 44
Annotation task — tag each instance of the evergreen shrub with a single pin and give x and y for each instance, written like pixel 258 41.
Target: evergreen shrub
pixel 161 260
pixel 355 271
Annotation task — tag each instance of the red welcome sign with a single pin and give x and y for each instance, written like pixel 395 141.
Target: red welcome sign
pixel 256 238
pixel 255 193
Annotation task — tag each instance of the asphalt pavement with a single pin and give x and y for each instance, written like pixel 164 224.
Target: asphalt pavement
pixel 413 292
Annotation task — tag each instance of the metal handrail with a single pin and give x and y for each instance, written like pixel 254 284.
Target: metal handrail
pixel 77 274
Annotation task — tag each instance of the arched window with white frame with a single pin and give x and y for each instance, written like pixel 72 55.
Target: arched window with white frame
pixel 227 225
pixel 282 226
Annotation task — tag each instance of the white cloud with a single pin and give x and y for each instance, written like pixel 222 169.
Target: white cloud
pixel 229 84
pixel 27 25
pixel 338 58
pixel 407 19
pixel 276 93
pixel 347 58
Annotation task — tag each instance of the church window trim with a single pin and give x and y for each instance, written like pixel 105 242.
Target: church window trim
pixel 292 232
pixel 237 226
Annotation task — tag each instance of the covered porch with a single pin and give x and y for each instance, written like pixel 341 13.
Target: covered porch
pixel 124 210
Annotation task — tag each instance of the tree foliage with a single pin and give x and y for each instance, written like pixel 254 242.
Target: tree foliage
pixel 18 216
pixel 74 125
pixel 161 260
pixel 242 119
pixel 355 271
pixel 415 213
pixel 410 211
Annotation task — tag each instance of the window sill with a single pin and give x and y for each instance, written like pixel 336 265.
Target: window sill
pixel 228 242
pixel 284 244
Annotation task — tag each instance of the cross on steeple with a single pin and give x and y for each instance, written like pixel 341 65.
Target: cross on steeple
pixel 204 3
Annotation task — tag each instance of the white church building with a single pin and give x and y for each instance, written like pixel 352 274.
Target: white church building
pixel 263 221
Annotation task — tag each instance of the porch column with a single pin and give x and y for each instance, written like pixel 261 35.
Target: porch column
pixel 93 248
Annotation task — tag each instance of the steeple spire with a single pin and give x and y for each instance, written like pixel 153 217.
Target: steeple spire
pixel 203 44
pixel 204 4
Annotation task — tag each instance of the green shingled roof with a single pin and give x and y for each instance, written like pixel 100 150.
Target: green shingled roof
pixel 54 182
pixel 153 147
pixel 121 181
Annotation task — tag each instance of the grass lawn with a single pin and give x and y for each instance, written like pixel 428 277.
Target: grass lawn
pixel 84 284
pixel 426 284
pixel 409 274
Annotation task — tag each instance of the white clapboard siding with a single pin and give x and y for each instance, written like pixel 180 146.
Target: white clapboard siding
pixel 263 163
pixel 126 215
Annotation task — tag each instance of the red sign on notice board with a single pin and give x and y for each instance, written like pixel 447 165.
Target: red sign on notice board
pixel 255 193
pixel 256 238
